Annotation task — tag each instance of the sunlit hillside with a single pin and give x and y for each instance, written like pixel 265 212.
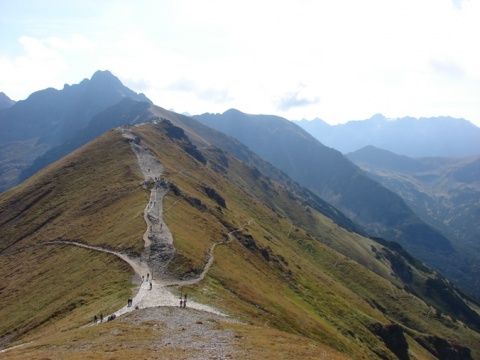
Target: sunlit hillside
pixel 296 283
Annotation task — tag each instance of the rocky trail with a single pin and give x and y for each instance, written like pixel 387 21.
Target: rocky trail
pixel 158 250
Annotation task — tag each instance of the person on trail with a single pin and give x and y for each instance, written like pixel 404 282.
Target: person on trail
pixel 95 319
pixel 101 318
pixel 148 274
pixel 181 303
pixel 150 285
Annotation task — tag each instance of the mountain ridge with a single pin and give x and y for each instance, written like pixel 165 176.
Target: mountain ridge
pixel 434 136
pixel 286 145
pixel 292 268
pixel 274 275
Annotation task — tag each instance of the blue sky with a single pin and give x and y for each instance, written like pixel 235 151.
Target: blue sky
pixel 336 60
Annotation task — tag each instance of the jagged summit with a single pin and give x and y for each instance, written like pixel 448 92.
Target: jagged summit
pixel 103 74
pixel 50 117
pixel 104 79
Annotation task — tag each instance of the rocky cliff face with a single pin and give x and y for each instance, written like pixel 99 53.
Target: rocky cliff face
pixel 394 338
pixel 444 349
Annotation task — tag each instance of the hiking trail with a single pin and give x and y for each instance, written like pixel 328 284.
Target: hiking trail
pixel 158 242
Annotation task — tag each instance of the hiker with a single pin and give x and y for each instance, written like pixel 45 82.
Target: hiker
pixel 185 301
pixel 181 303
pixel 101 318
pixel 95 319
pixel 150 285
pixel 148 274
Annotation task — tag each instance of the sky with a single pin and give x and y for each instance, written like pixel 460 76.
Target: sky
pixel 337 60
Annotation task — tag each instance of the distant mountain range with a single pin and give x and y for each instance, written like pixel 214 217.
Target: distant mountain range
pixel 435 136
pixel 444 192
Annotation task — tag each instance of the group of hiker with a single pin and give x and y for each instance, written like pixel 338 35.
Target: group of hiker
pixel 95 318
pixel 99 319
pixel 183 301
pixel 143 279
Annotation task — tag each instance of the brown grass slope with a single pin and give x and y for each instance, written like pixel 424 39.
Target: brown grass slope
pixel 91 196
pixel 275 267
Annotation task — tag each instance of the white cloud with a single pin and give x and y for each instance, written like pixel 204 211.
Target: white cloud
pixel 360 58
pixel 38 67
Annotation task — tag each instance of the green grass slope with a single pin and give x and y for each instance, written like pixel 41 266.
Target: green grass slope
pixel 287 272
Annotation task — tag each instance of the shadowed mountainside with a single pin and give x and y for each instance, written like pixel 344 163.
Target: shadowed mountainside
pixel 334 178
pixel 49 117
pixel 445 192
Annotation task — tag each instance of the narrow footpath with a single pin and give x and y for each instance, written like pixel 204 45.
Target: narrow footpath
pixel 158 242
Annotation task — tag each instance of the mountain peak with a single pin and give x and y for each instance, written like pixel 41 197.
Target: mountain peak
pixel 233 111
pixel 378 117
pixel 105 77
pixel 102 74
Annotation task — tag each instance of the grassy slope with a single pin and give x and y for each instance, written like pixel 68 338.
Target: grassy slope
pixel 301 286
pixel 274 274
pixel 88 197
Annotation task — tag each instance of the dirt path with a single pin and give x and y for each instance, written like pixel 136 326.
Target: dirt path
pixel 158 249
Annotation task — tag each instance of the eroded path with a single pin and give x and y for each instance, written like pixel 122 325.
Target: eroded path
pixel 158 249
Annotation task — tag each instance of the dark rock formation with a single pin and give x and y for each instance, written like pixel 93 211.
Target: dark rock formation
pixel 393 337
